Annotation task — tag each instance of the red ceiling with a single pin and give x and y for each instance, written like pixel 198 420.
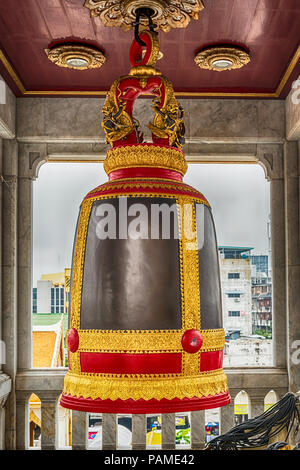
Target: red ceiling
pixel 268 28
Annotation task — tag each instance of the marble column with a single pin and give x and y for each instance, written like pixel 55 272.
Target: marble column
pixel 197 429
pixel 9 279
pixel 278 270
pixel 139 432
pixel 2 410
pixel 5 387
pixel 168 430
pixel 292 207
pixel 1 182
pixel 24 240
pixel 256 404
pixel 49 405
pixel 2 427
pixel 22 409
pixel 109 431
pixel 227 417
pixel 79 430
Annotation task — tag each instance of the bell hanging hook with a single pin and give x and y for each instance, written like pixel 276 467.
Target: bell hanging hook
pixel 147 13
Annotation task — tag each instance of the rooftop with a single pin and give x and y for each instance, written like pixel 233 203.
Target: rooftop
pixel 235 252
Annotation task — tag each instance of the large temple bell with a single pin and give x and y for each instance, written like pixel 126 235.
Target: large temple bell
pixel 145 333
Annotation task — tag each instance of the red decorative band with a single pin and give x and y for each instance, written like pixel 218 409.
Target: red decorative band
pixel 211 360
pixel 122 363
pixel 144 406
pixel 146 191
pixel 145 172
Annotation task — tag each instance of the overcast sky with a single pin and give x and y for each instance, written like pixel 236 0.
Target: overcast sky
pixel 238 194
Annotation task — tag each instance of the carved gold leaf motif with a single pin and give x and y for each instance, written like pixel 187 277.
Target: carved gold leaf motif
pixel 76 57
pixel 167 14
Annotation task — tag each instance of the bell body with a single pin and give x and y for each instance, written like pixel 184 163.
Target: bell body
pixel 145 330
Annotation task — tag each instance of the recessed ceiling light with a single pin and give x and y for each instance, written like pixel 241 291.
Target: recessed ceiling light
pixel 222 58
pixel 76 56
pixel 222 63
pixel 77 62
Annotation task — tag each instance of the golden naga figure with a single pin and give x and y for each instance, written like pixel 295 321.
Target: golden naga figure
pixel 168 122
pixel 120 126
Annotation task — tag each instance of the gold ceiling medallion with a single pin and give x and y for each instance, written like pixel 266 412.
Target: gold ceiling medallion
pixel 167 14
pixel 76 56
pixel 222 58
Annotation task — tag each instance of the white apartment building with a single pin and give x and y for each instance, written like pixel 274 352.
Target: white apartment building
pixel 52 294
pixel 43 300
pixel 235 267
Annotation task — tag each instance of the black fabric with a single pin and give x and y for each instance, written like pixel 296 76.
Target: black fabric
pixel 209 272
pixel 131 283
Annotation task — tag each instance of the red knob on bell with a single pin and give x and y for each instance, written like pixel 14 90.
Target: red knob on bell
pixel 191 341
pixel 73 340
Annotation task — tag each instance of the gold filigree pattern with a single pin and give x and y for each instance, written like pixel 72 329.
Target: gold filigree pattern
pixel 144 72
pixel 91 386
pixel 168 14
pixel 79 262
pixel 75 362
pixel 234 57
pixel 76 56
pixel 144 341
pixel 145 156
pixel 191 291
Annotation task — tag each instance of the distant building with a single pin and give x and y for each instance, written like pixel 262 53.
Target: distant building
pixel 247 307
pixel 52 294
pixel 248 351
pixel 261 303
pixel 235 268
pixel 260 265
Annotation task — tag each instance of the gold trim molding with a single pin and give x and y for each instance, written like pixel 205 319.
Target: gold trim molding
pixel 188 94
pixel 146 388
pixel 63 55
pixel 146 156
pixel 167 14
pixel 235 57
pixel 145 341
